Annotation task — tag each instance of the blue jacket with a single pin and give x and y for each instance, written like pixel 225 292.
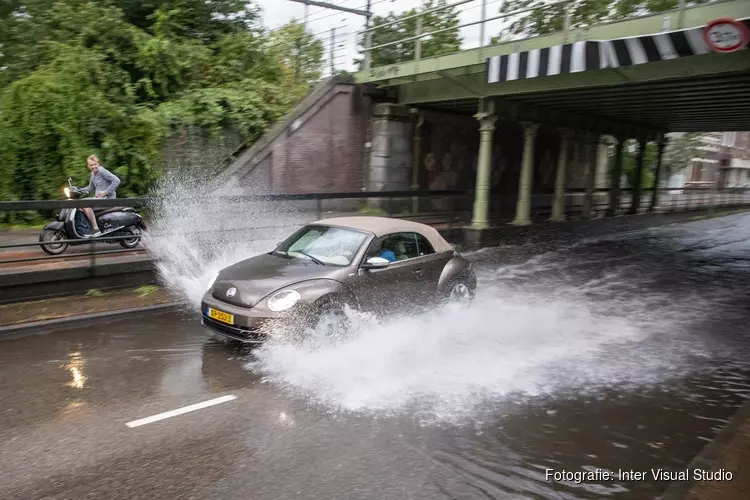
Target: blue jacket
pixel 388 255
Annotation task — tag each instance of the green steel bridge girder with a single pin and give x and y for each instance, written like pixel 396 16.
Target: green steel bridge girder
pixel 473 60
pixel 678 94
pixel 568 100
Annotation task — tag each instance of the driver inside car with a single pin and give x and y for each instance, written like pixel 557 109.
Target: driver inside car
pixel 387 253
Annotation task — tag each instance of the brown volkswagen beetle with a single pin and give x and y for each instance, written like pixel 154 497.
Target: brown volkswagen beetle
pixel 373 264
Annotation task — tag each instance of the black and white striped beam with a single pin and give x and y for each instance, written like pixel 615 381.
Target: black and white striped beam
pixel 600 54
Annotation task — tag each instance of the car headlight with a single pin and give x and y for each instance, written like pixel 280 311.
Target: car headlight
pixel 212 281
pixel 283 300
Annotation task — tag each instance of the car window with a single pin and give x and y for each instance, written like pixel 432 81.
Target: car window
pixel 330 245
pixel 423 245
pixel 400 246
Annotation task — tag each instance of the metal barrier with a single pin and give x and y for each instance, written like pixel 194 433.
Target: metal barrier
pixel 404 204
pixel 449 207
pixel 568 25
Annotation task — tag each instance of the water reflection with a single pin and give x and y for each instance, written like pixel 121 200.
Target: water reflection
pixel 75 366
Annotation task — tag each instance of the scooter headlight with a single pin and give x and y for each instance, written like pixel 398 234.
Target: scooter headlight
pixel 67 192
pixel 283 300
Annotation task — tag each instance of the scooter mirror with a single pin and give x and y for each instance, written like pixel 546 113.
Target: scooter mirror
pixel 70 182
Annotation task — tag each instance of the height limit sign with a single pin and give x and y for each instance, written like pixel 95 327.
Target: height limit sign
pixel 726 35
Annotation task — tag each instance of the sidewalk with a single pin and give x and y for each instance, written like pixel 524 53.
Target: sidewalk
pixel 729 452
pixel 80 305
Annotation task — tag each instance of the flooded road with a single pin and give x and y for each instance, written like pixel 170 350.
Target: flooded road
pixel 624 352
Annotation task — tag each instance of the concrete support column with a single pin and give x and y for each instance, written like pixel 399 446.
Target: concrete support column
pixel 480 215
pixel 602 162
pixel 657 176
pixel 416 149
pixel 391 153
pixel 591 144
pixel 614 193
pixel 638 177
pixel 558 202
pixel 525 183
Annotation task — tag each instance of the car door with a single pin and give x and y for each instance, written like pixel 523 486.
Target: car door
pixel 427 266
pixel 384 290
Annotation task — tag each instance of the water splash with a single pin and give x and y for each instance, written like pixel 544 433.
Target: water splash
pixel 534 330
pixel 193 235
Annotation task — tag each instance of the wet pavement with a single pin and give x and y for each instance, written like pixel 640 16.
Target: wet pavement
pixel 625 352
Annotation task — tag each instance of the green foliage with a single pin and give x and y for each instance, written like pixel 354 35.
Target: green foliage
pixel 445 42
pixel 544 19
pixel 118 77
pixel 145 290
pixel 680 149
pixel 300 55
pixel 370 210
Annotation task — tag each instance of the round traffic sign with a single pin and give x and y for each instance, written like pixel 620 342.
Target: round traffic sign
pixel 726 35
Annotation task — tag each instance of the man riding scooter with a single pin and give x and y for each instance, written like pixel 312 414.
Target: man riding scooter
pixel 104 183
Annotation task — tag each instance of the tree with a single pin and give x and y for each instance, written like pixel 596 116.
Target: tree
pixel 119 77
pixel 679 150
pixel 392 28
pixel 299 54
pixel 544 18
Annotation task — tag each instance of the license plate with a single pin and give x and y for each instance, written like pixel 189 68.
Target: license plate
pixel 221 316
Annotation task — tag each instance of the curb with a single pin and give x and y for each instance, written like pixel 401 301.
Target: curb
pixel 45 326
pixel 706 458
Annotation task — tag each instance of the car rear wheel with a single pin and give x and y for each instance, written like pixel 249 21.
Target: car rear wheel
pixel 459 292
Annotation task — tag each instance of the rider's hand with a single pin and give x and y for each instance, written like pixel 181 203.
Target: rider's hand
pixel 99 194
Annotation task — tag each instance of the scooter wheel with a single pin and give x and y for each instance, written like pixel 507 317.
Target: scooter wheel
pixel 51 235
pixel 131 242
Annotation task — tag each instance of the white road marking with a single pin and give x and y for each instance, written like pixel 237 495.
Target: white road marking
pixel 180 411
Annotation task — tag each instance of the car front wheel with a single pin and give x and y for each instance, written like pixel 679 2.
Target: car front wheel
pixel 330 319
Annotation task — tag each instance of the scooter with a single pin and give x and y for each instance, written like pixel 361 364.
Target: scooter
pixel 72 224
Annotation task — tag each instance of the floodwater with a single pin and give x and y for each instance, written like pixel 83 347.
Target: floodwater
pixel 621 352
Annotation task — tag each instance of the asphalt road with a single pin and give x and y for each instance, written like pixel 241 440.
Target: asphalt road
pixel 626 351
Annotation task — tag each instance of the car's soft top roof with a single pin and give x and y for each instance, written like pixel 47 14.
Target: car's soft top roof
pixel 382 226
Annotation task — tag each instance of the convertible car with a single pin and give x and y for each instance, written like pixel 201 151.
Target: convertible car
pixel 374 264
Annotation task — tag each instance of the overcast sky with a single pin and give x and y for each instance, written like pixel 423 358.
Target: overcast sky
pixel 320 21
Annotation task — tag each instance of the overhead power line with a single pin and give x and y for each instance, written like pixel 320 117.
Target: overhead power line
pixel 327 5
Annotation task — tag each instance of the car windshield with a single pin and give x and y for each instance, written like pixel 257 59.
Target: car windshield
pixel 335 246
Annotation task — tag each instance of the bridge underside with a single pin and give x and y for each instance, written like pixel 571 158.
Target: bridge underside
pixel 694 104
pixel 704 93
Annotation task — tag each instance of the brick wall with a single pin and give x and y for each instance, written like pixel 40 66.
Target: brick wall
pixel 321 152
pixel 324 151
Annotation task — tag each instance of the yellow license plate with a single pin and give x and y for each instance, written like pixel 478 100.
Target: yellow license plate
pixel 221 316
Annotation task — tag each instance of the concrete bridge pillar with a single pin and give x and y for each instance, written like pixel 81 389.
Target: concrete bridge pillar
pixel 480 215
pixel 602 162
pixel 657 176
pixel 525 182
pixel 558 202
pixel 591 145
pixel 614 193
pixel 391 154
pixel 638 180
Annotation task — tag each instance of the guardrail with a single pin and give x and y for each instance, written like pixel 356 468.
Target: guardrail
pixel 446 206
pixel 402 203
pixel 568 24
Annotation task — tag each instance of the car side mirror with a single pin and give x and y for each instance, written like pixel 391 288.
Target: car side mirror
pixel 376 263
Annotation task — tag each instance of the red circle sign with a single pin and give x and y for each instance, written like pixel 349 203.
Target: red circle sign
pixel 726 35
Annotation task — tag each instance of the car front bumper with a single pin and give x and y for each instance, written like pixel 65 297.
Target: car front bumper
pixel 247 325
